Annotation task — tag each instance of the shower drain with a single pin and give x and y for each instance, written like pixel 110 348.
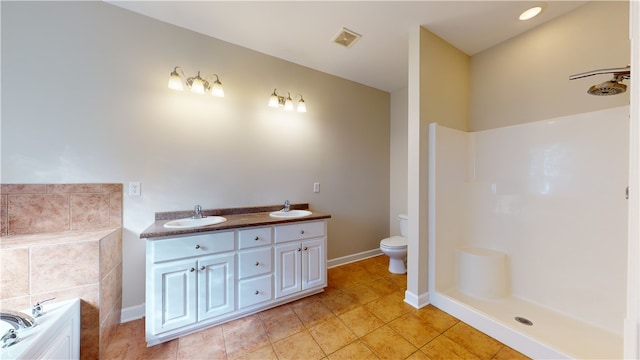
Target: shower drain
pixel 524 321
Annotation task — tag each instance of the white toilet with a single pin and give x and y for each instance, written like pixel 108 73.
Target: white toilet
pixel 395 248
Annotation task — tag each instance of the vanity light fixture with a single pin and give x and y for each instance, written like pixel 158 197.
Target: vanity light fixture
pixel 276 101
pixel 530 13
pixel 197 84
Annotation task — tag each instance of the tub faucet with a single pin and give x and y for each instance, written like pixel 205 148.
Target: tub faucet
pixel 9 338
pixel 37 310
pixel 286 207
pixel 197 212
pixel 17 319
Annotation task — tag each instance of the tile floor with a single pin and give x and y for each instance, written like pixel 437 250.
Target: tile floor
pixel 361 315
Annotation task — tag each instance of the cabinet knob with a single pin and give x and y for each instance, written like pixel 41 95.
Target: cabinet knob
pixel 197 246
pixel 192 270
pixel 202 267
pixel 257 292
pixel 257 238
pixel 306 248
pixel 257 263
pixel 301 231
pixel 299 249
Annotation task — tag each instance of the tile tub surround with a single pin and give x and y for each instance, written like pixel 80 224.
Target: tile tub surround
pixel 73 249
pixel 52 208
pixel 85 264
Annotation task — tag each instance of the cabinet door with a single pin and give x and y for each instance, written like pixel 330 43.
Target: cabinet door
pixel 174 301
pixel 216 288
pixel 314 264
pixel 287 272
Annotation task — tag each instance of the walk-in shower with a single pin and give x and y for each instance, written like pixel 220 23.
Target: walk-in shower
pixel 528 232
pixel 610 87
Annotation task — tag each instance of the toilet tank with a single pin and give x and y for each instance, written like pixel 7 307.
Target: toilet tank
pixel 404 224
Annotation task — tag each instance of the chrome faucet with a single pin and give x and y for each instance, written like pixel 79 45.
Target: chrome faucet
pixel 37 310
pixel 286 207
pixel 17 319
pixel 197 212
pixel 9 338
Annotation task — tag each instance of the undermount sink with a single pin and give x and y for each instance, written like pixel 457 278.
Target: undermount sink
pixel 291 214
pixel 191 222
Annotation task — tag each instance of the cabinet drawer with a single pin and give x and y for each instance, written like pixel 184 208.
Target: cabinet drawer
pixel 253 291
pixel 299 231
pixel 177 248
pixel 254 262
pixel 254 237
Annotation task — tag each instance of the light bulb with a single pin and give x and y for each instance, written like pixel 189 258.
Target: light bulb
pixel 302 107
pixel 273 100
pixel 216 89
pixel 197 86
pixel 175 82
pixel 288 104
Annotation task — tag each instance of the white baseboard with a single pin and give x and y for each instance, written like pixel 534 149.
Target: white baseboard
pixel 417 301
pixel 353 258
pixel 132 313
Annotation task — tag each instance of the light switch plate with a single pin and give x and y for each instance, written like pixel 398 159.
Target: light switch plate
pixel 134 188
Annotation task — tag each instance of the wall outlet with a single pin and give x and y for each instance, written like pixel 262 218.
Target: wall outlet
pixel 134 188
pixel 316 187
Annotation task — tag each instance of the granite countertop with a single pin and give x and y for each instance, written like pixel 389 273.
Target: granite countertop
pixel 236 218
pixel 22 241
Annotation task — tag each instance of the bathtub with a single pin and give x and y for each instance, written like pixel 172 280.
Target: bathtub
pixel 56 334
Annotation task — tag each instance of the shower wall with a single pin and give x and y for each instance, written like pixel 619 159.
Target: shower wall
pixel 550 194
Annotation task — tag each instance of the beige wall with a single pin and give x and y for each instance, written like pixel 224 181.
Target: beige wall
pixel 398 162
pixel 84 99
pixel 444 83
pixel 438 91
pixel 527 78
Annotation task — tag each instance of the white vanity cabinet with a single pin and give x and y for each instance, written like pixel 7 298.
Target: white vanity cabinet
pixel 174 302
pixel 198 281
pixel 255 266
pixel 300 257
pixel 192 278
pixel 216 285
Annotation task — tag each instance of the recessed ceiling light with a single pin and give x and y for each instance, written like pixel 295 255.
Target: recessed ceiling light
pixel 530 13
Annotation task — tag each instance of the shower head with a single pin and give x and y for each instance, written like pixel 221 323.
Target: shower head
pixel 611 87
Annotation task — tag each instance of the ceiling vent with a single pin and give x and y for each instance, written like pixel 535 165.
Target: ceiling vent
pixel 346 37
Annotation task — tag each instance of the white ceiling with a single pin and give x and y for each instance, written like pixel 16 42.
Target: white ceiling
pixel 302 31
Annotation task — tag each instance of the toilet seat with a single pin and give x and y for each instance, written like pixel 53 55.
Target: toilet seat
pixel 394 242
